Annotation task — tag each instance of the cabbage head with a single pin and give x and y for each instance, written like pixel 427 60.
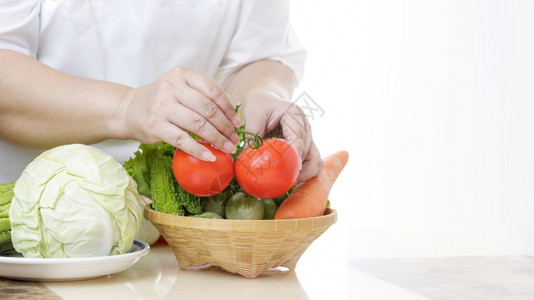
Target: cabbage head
pixel 74 201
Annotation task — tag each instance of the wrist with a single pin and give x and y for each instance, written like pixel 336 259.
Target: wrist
pixel 262 97
pixel 118 124
pixel 260 78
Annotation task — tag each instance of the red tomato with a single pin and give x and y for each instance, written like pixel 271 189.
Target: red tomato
pixel 269 170
pixel 203 178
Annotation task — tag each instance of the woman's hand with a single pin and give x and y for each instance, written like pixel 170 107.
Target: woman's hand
pixel 181 101
pixel 265 112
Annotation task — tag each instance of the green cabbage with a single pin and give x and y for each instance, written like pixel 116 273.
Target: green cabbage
pixel 148 233
pixel 74 201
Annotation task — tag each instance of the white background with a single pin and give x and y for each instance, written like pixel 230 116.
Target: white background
pixel 434 102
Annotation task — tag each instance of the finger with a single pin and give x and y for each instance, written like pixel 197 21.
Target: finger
pixel 213 91
pixel 297 130
pixel 182 140
pixel 201 105
pixel 256 123
pixel 190 121
pixel 312 164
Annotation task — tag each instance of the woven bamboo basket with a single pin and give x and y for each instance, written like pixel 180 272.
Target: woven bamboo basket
pixel 245 247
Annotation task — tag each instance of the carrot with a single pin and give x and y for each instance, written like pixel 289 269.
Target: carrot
pixel 309 198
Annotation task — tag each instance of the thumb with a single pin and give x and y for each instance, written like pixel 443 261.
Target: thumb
pixel 295 132
pixel 257 123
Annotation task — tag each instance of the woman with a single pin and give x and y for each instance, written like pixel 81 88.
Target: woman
pixel 115 73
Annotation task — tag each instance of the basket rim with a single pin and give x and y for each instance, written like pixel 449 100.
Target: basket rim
pixel 230 225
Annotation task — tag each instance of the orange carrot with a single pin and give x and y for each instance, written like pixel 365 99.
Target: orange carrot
pixel 309 198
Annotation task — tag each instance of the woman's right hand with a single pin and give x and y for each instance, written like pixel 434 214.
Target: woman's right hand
pixel 178 102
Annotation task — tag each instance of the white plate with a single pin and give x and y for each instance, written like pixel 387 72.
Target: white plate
pixel 66 269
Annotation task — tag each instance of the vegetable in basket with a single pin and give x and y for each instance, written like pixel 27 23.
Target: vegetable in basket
pixel 74 201
pixel 309 199
pixel 269 208
pixel 208 215
pixel 217 202
pixel 203 178
pixel 139 168
pixel 267 168
pixel 163 191
pixel 242 206
pixel 192 203
pixel 152 165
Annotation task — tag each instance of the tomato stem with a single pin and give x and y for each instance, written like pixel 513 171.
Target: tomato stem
pixel 253 140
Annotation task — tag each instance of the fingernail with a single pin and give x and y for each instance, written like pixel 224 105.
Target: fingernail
pixel 207 156
pixel 237 121
pixel 229 147
pixel 235 138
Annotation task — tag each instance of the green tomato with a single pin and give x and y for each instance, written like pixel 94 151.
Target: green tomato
pixel 242 206
pixel 208 215
pixel 269 209
pixel 217 202
pixel 283 197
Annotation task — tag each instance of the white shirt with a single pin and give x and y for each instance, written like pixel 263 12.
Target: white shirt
pixel 133 42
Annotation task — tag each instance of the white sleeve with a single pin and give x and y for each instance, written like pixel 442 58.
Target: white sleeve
pixel 19 25
pixel 263 32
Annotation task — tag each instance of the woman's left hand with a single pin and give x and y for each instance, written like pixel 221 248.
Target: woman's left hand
pixel 265 112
